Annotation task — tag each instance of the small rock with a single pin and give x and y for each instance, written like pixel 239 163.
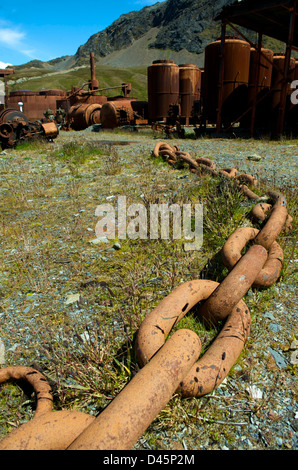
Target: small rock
pixel 278 358
pixel 117 246
pixel 294 357
pixel 255 392
pixel 279 441
pixel 97 241
pixel 294 424
pixel 275 327
pixel 71 299
pixel 2 353
pixel 85 337
pixel 254 158
pixel 269 315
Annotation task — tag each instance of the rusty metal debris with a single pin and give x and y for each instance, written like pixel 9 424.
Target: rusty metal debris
pixel 173 365
pixel 16 127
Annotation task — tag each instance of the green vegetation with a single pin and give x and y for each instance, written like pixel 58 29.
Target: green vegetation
pixel 39 79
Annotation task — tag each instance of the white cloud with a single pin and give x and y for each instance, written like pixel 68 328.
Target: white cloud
pixel 16 40
pixel 11 37
pixel 3 65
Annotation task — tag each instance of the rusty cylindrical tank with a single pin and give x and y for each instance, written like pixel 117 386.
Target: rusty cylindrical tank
pixel 117 113
pixel 235 81
pixel 277 76
pixel 163 88
pixel 189 89
pixel 263 86
pixel 265 71
pixel 82 116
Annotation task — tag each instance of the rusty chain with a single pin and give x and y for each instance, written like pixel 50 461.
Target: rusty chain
pixel 173 365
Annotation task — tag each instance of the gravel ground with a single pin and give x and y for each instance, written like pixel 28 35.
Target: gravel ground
pixel 258 402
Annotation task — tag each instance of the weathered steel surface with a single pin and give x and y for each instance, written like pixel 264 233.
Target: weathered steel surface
pixel 213 367
pixel 121 424
pixel 234 286
pixel 49 431
pixel 163 88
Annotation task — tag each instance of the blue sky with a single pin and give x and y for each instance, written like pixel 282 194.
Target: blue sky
pixel 46 30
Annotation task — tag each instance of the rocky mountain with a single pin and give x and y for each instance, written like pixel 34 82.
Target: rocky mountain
pixel 174 29
pixel 171 29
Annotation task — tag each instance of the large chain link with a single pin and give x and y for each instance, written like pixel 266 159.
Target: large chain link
pixel 173 365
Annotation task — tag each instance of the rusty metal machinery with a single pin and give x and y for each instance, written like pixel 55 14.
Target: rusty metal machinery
pixel 124 112
pixel 81 116
pixel 15 127
pixel 175 365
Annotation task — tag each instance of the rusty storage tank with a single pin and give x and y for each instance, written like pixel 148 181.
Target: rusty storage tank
pixel 263 86
pixel 163 88
pixel 123 112
pixel 235 81
pixel 29 99
pixel 265 71
pixel 83 115
pixel 189 89
pixel 35 103
pixel 277 77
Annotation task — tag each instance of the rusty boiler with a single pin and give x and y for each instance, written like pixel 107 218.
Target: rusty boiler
pixel 163 89
pixel 123 112
pixel 83 115
pixel 235 80
pixel 189 90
